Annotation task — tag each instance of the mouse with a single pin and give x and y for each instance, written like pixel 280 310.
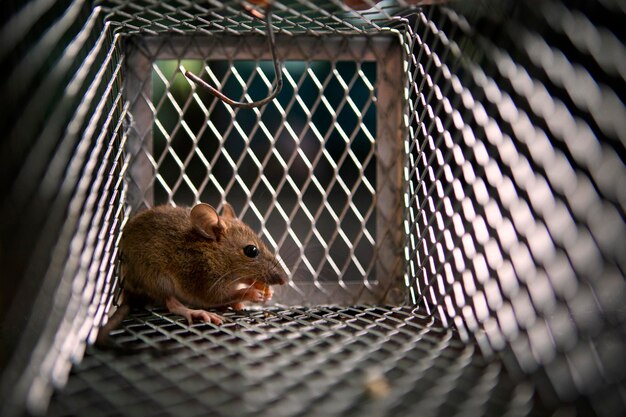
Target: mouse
pixel 192 259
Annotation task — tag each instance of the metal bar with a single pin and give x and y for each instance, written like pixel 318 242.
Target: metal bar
pixel 299 48
pixel 390 136
pixel 138 90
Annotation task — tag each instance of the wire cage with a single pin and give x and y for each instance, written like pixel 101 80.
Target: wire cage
pixel 443 184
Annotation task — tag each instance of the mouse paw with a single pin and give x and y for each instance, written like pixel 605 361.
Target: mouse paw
pixel 237 306
pixel 251 294
pixel 255 295
pixel 202 315
pixel 176 307
pixel 265 289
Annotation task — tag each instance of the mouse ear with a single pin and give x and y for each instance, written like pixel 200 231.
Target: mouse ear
pixel 205 220
pixel 228 212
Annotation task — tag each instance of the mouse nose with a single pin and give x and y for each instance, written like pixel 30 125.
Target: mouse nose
pixel 278 278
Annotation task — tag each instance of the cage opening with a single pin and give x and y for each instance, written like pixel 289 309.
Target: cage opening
pixel 303 171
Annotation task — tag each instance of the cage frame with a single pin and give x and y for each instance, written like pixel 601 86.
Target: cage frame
pixel 385 50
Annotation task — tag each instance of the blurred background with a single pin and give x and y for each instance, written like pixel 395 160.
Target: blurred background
pixel 312 151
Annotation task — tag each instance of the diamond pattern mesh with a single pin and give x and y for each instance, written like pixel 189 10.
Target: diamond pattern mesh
pixel 152 17
pixel 299 361
pixel 454 174
pixel 505 199
pixel 303 171
pixel 284 168
pixel 62 194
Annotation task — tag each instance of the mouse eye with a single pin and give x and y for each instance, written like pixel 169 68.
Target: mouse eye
pixel 251 251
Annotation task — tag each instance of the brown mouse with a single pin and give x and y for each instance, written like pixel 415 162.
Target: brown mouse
pixel 181 257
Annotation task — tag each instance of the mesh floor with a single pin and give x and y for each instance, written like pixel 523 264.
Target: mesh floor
pixel 325 361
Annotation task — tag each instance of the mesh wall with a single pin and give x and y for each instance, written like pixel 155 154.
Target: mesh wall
pixel 515 219
pixel 305 171
pixel 63 161
pixel 443 186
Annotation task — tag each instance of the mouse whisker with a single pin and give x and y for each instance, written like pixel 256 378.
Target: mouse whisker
pixel 219 280
pixel 227 276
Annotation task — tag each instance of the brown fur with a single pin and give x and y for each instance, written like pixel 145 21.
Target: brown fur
pixel 179 257
pixel 165 254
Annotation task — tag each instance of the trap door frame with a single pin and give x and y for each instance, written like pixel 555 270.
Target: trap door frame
pixel 385 50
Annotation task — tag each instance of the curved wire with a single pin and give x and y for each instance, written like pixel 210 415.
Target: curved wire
pixel 277 72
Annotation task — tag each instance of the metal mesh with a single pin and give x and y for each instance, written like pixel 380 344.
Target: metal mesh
pixel 515 219
pixel 62 167
pixel 304 171
pixel 291 18
pixel 476 158
pixel 328 361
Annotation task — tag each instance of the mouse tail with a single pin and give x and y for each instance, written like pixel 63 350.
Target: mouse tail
pixel 103 340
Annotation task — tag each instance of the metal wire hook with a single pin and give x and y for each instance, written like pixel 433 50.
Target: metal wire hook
pixel 277 70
